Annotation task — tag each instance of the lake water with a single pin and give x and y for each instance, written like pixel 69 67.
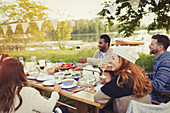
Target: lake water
pixel 95 37
pixel 90 40
pixel 140 35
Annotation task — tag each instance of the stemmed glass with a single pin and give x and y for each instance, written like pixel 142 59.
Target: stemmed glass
pixel 103 65
pixel 90 80
pixel 42 64
pixel 33 60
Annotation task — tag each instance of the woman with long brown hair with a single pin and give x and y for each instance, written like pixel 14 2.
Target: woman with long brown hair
pixel 3 57
pixel 125 81
pixel 16 96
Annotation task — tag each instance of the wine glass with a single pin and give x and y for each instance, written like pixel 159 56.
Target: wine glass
pixel 90 81
pixel 42 64
pixel 103 65
pixel 33 62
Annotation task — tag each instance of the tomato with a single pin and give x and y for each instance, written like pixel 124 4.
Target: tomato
pixel 69 64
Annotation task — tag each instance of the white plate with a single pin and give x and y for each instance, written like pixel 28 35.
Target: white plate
pixel 59 73
pixel 31 77
pixel 70 86
pixel 45 77
pixel 50 82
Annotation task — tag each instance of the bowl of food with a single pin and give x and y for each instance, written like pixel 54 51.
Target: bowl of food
pixel 68 82
pixel 65 66
pixel 76 77
pixel 51 71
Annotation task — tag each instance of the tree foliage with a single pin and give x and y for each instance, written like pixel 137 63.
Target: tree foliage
pixel 63 33
pixel 22 11
pixel 130 19
pixel 95 25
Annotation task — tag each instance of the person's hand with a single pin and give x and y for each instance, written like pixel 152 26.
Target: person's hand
pixel 107 79
pixel 82 60
pixel 57 88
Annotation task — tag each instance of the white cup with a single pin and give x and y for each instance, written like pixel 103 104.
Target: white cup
pixel 49 65
pixel 86 72
pixel 42 62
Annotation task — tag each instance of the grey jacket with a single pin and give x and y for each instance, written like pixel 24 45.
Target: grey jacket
pixel 96 58
pixel 120 105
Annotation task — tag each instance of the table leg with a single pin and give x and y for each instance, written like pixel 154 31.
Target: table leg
pixel 94 109
pixel 81 107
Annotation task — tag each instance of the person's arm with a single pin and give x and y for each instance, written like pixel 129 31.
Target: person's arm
pixel 43 105
pixel 100 97
pixel 39 103
pixel 162 77
pixel 93 61
pixel 111 90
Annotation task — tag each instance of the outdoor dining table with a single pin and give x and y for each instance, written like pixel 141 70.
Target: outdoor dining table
pixel 82 98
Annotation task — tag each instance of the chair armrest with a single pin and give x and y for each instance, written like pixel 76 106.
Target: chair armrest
pixel 165 93
pixel 155 102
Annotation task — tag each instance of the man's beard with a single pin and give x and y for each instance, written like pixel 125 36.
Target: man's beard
pixel 154 51
pixel 102 49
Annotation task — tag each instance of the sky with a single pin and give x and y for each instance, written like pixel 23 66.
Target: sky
pixel 77 9
pixel 80 9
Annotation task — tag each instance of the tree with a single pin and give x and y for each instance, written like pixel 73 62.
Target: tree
pixel 130 19
pixel 63 33
pixel 22 11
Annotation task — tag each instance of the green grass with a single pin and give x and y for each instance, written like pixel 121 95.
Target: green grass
pixel 66 55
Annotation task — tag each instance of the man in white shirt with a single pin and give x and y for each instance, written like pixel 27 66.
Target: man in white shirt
pixel 104 50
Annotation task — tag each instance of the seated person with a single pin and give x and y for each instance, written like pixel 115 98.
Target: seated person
pixel 16 95
pixel 104 50
pixel 3 58
pixel 161 75
pixel 124 82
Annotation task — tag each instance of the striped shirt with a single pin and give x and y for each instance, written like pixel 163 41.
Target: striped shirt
pixel 160 77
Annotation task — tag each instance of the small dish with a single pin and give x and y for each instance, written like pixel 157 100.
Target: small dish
pixel 31 77
pixel 34 73
pixel 67 82
pixel 69 86
pixel 50 82
pixel 44 77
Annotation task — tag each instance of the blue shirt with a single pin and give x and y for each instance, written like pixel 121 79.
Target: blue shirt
pixel 160 77
pixel 102 55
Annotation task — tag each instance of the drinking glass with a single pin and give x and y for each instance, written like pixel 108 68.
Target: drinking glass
pixel 103 65
pixel 42 64
pixel 90 80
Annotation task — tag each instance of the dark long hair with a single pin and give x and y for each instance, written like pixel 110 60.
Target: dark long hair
pixel 141 86
pixel 12 79
pixel 3 57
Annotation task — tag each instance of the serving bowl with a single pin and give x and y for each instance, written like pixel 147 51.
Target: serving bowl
pixel 67 82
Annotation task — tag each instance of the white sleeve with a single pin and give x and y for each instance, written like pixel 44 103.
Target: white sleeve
pixel 43 105
pixel 100 97
pixel 93 61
